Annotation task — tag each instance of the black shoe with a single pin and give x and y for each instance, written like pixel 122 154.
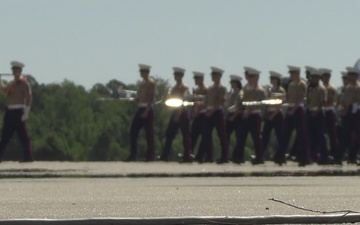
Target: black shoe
pixel 303 163
pixel 208 161
pixel 279 160
pixel 186 160
pixel 238 161
pixel 27 160
pixel 199 159
pixel 257 161
pixel 222 161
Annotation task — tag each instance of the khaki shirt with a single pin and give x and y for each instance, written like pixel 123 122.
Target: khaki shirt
pixel 179 91
pixel 18 92
pixel 200 90
pixel 231 98
pixel 332 95
pixel 215 97
pixel 316 98
pixel 296 92
pixel 351 95
pixel 253 94
pixel 278 93
pixel 146 92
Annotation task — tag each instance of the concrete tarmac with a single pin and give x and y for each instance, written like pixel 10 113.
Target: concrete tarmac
pixel 79 196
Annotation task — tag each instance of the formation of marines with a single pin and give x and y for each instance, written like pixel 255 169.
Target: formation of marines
pixel 312 107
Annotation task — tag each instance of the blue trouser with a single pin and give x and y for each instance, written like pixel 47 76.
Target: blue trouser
pixel 12 123
pixel 350 131
pixel 215 120
pixel 252 124
pixel 317 141
pixel 230 127
pixel 137 123
pixel 330 118
pixel 184 124
pixel 296 122
pixel 277 123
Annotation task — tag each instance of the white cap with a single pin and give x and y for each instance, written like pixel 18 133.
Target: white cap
pixel 294 68
pixel 343 73
pixel 144 67
pixel 198 74
pixel 315 72
pixel 218 70
pixel 251 71
pixel 234 77
pixel 17 64
pixel 309 68
pixel 351 69
pixel 275 74
pixel 325 71
pixel 178 69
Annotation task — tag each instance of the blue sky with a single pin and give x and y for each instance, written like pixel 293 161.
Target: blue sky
pixel 91 41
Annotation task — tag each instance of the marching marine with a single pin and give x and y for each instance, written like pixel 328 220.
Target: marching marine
pixel 179 119
pixel 199 118
pixel 295 119
pixel 351 116
pixel 214 103
pixel 316 99
pixel 330 113
pixel 251 120
pixel 144 116
pixel 233 117
pixel 274 115
pixel 19 99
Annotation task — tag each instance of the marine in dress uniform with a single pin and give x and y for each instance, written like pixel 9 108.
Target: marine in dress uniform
pixel 214 103
pixel 295 119
pixel 330 113
pixel 144 116
pixel 274 116
pixel 316 99
pixel 233 117
pixel 351 116
pixel 199 118
pixel 179 119
pixel 251 120
pixel 19 99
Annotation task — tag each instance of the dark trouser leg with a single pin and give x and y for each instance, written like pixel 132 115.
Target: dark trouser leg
pixel 278 126
pixel 25 141
pixel 206 140
pixel 195 130
pixel 136 125
pixel 7 130
pixel 331 130
pixel 185 131
pixel 285 138
pixel 149 132
pixel 346 135
pixel 301 129
pixel 255 129
pixel 220 127
pixel 171 131
pixel 268 126
pixel 241 135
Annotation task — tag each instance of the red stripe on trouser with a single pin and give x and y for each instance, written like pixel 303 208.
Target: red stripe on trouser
pixel 222 135
pixel 185 130
pixel 259 152
pixel 305 139
pixel 149 130
pixel 27 150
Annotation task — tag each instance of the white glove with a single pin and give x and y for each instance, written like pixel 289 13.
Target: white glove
pixel 26 113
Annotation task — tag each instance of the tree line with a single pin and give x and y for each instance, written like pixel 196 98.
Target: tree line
pixel 68 123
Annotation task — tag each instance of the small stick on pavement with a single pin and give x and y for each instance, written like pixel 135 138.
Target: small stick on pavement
pixel 312 210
